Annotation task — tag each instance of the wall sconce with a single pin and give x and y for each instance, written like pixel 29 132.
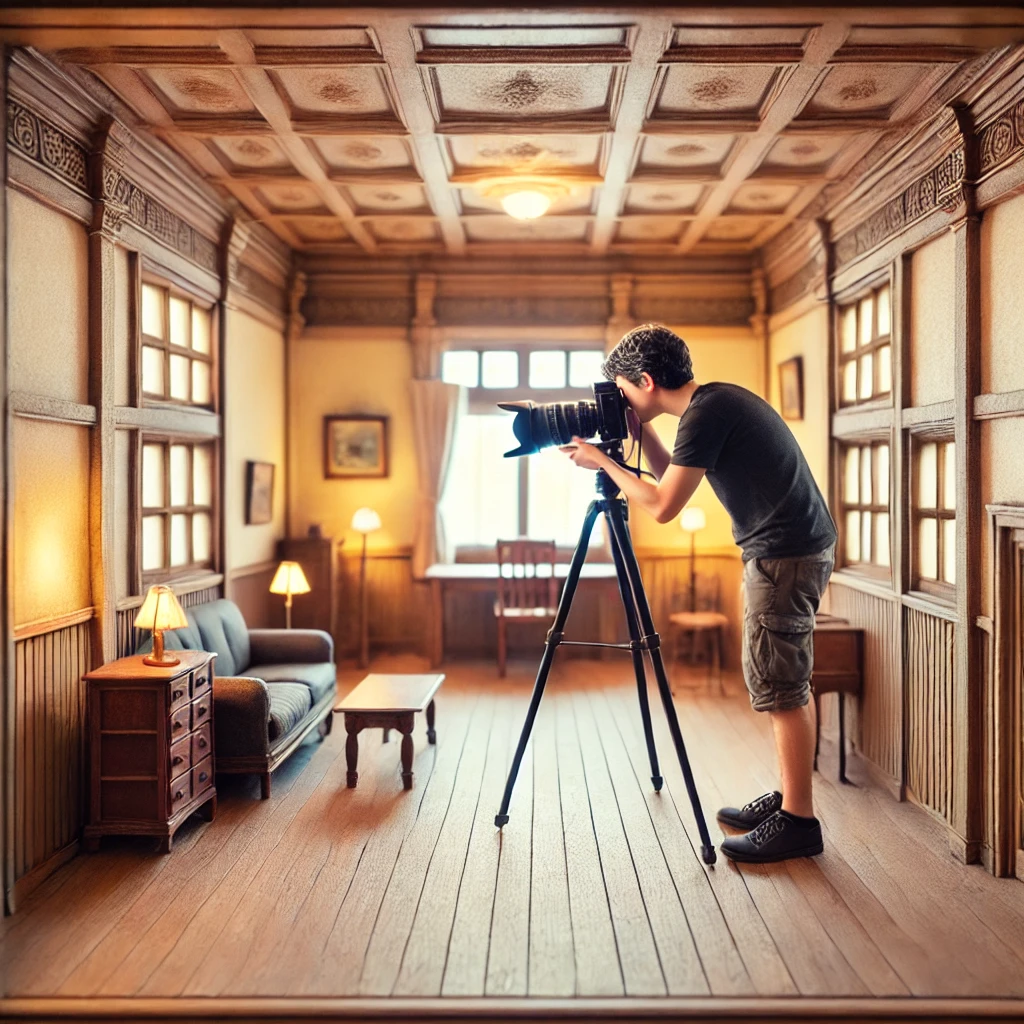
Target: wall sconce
pixel 160 611
pixel 691 520
pixel 364 521
pixel 289 579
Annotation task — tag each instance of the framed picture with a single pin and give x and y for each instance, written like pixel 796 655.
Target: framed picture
pixel 259 492
pixel 355 446
pixel 791 388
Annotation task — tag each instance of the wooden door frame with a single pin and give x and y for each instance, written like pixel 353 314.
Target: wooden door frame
pixel 1005 707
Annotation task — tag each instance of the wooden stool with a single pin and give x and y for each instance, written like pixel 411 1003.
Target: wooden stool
pixel 702 622
pixel 838 668
pixel 388 702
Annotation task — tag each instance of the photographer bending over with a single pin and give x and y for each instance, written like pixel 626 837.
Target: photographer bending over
pixel 783 526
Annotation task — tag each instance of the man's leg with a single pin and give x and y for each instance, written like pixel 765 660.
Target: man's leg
pixel 794 743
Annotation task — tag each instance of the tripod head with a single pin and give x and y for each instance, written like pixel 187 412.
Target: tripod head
pixel 606 486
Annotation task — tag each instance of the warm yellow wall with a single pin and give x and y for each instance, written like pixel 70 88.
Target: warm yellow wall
pixel 1002 298
pixel 1002 482
pixel 51 519
pixel 807 336
pixel 48 313
pixel 254 429
pixel 123 443
pixel 123 338
pixel 933 314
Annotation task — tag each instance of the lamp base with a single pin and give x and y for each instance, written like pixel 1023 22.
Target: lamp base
pixel 166 662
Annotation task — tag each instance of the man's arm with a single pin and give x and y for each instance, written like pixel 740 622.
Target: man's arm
pixel 655 454
pixel 664 500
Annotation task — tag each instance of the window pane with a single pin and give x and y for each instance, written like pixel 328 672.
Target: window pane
pixel 884 314
pixel 153 311
pixel 201 330
pixel 949 550
pixel 927 476
pixel 865 477
pixel 461 368
pixel 865 314
pixel 547 369
pixel 481 497
pixel 585 368
pixel 179 475
pixel 181 315
pixel 850 381
pixel 865 537
pixel 853 536
pixel 153 476
pixel 202 475
pixel 848 329
pixel 882 474
pixel 884 369
pixel 949 476
pixel 867 383
pixel 179 539
pixel 202 536
pixel 851 476
pixel 928 549
pixel 882 539
pixel 152 542
pixel 500 369
pixel 200 382
pixel 180 377
pixel 559 493
pixel 153 370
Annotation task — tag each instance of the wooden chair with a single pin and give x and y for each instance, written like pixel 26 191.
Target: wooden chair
pixel 527 588
pixel 703 621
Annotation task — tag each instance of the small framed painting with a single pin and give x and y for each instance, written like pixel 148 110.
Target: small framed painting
pixel 259 492
pixel 791 388
pixel 355 446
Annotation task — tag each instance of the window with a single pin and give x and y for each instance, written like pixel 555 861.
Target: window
pixel 865 506
pixel 865 349
pixel 177 347
pixel 177 502
pixel 934 519
pixel 488 497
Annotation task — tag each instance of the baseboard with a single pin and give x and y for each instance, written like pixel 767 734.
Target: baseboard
pixel 39 874
pixel 881 778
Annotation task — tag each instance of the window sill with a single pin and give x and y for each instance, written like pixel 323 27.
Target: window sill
pixel 865 583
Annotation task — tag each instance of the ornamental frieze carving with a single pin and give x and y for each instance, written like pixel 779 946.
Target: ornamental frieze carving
pixel 350 310
pixel 46 145
pixel 1003 139
pixel 796 286
pixel 521 309
pixel 256 285
pixel 693 312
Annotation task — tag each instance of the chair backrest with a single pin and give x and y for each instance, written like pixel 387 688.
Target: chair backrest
pixel 526 574
pixel 707 588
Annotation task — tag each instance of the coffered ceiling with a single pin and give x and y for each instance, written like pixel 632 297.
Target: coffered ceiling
pixel 668 132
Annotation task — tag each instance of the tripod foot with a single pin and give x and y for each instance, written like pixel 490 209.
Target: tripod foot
pixel 658 782
pixel 708 854
pixel 500 819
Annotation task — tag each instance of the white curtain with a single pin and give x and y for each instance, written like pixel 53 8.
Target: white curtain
pixel 435 410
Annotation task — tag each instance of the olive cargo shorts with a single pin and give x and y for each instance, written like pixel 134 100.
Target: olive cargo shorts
pixel 781 598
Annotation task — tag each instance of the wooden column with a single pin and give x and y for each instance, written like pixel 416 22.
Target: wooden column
pixel 621 320
pixel 424 334
pixel 292 332
pixel 759 325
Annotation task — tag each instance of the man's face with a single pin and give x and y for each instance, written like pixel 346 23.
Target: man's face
pixel 640 397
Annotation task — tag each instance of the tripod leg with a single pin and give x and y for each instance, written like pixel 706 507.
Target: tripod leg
pixel 629 604
pixel 620 532
pixel 553 640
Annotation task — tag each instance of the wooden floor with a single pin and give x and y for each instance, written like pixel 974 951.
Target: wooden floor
pixel 592 889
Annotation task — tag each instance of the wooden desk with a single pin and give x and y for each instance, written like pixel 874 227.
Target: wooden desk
pixel 481 576
pixel 838 668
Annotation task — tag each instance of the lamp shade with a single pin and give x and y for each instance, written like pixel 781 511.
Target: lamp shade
pixel 289 579
pixel 365 520
pixel 161 610
pixel 693 519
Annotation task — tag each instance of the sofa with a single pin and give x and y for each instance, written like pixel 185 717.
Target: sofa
pixel 271 687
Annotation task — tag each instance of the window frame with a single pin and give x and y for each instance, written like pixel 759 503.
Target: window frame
pixel 852 298
pixel 871 570
pixel 939 588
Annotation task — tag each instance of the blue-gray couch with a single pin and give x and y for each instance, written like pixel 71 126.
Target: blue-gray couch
pixel 271 687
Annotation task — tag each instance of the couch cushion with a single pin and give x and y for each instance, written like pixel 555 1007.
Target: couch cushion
pixel 221 628
pixel 319 677
pixel 289 703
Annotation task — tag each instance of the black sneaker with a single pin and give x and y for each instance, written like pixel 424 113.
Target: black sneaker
pixel 751 815
pixel 779 837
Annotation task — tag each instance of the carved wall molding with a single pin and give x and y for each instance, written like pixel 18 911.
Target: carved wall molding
pixel 794 287
pixel 353 310
pixel 257 287
pixel 521 309
pixel 36 139
pixel 693 312
pixel 1002 140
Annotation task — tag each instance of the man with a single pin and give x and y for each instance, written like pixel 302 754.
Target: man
pixel 783 526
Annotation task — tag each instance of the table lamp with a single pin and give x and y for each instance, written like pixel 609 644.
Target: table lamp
pixel 160 611
pixel 364 521
pixel 289 579
pixel 692 520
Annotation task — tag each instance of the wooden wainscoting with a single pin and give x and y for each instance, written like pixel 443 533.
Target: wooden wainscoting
pixel 928 677
pixel 189 594
pixel 249 587
pixel 45 758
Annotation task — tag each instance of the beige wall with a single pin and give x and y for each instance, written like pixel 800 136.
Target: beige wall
pixel 48 291
pixel 1002 302
pixel 933 315
pixel 254 429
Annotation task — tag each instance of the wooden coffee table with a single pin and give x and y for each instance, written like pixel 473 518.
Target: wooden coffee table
pixel 388 702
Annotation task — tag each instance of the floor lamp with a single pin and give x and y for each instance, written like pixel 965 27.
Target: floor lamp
pixel 365 521
pixel 289 579
pixel 692 520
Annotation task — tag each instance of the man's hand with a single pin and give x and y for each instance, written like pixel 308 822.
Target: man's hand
pixel 586 456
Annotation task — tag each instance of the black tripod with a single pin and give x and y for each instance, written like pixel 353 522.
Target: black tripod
pixel 642 637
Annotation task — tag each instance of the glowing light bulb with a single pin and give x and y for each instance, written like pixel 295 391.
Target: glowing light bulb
pixel 526 205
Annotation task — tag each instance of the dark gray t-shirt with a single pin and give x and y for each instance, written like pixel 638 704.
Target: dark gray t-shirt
pixel 756 468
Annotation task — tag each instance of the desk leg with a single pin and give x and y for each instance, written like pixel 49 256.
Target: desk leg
pixel 842 737
pixel 352 727
pixel 431 734
pixel 436 623
pixel 405 724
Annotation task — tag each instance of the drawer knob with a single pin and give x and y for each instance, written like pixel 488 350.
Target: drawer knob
pixel 200 681
pixel 202 741
pixel 203 776
pixel 177 694
pixel 177 725
pixel 176 760
pixel 179 794
pixel 200 710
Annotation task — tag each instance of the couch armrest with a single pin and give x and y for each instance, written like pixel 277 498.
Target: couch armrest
pixel 241 716
pixel 277 646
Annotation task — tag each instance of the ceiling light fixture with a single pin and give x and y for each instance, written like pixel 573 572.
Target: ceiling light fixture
pixel 526 199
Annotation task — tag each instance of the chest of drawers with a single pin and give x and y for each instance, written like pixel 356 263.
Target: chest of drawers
pixel 150 737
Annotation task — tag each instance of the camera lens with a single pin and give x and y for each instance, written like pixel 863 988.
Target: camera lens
pixel 550 423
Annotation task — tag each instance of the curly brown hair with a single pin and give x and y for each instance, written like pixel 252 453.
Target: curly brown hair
pixel 652 349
